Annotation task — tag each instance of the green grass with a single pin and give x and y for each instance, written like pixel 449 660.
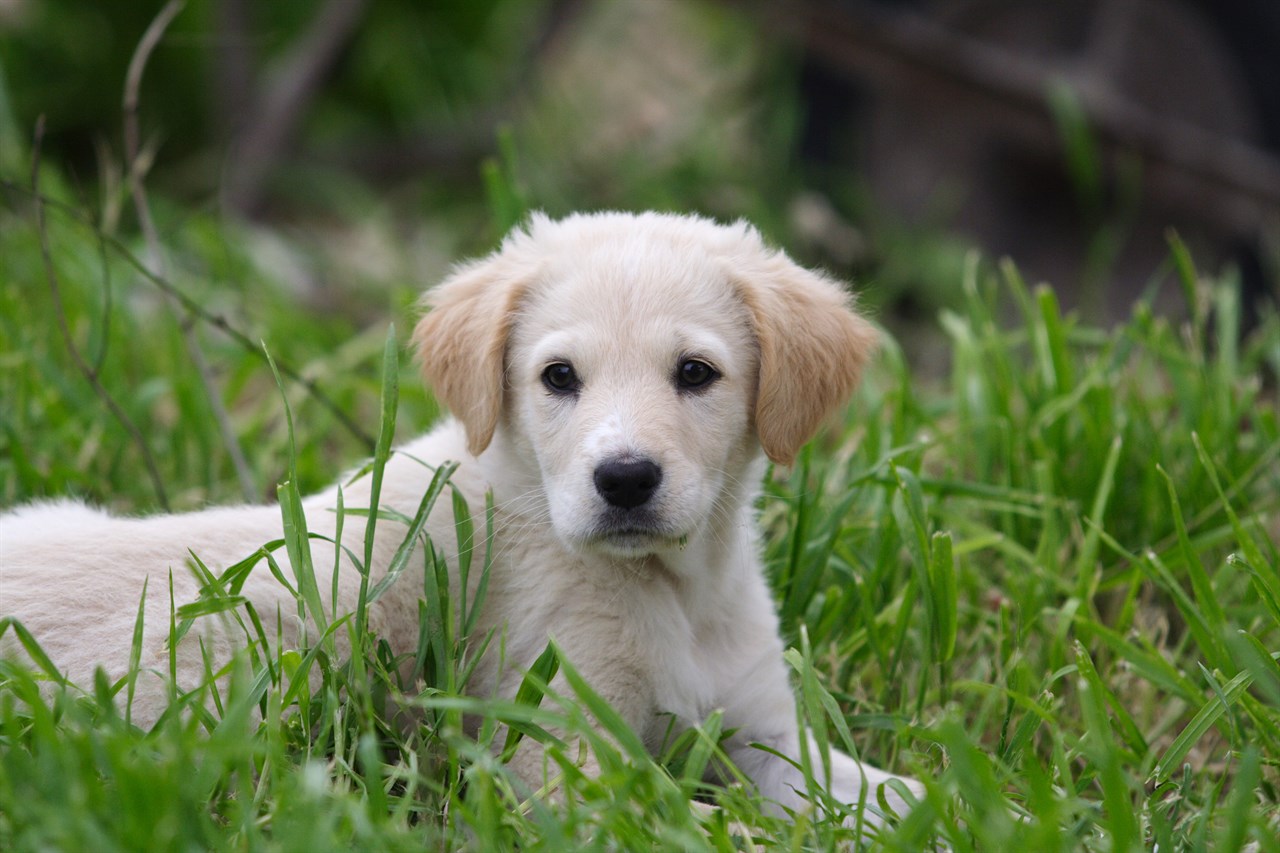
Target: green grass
pixel 1046 585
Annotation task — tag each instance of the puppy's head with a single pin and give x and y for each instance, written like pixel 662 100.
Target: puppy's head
pixel 636 363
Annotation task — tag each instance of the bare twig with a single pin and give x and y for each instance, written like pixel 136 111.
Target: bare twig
pixel 90 374
pixel 198 312
pixel 274 116
pixel 132 86
pixel 133 82
pixel 1190 166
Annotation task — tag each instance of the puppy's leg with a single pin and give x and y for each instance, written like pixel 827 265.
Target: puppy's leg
pixel 851 778
pixel 853 783
pixel 762 708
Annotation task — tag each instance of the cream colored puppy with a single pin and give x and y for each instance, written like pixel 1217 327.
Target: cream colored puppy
pixel 617 381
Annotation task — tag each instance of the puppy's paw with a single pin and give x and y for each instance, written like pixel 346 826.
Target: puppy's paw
pixel 882 795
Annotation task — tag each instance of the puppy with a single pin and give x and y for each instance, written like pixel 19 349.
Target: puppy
pixel 618 382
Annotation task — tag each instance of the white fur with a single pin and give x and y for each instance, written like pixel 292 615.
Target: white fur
pixel 664 612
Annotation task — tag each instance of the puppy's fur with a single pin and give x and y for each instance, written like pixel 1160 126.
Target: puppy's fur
pixel 617 381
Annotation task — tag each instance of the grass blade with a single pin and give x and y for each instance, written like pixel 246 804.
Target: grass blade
pixel 1205 718
pixel 410 541
pixel 296 538
pixel 942 586
pixel 530 692
pixel 382 452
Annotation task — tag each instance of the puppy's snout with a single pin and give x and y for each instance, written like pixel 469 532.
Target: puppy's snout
pixel 627 484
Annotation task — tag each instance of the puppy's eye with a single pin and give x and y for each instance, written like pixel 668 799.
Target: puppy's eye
pixel 560 378
pixel 693 374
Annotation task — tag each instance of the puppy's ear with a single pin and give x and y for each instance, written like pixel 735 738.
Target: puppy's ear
pixel 462 341
pixel 813 346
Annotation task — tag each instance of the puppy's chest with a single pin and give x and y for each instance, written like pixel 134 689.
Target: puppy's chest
pixel 695 669
pixel 613 620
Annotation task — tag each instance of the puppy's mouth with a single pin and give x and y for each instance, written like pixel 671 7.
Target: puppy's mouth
pixel 631 534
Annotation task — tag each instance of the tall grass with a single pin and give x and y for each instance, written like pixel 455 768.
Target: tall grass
pixel 1046 585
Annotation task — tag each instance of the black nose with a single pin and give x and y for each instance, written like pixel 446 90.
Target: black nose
pixel 627 484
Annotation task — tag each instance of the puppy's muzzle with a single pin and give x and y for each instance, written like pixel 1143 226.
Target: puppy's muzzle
pixel 627 484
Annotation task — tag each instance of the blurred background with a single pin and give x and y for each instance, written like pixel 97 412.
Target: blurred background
pixel 879 139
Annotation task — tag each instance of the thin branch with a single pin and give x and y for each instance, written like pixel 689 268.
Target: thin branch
pixel 198 312
pixel 132 86
pixel 51 275
pixel 133 82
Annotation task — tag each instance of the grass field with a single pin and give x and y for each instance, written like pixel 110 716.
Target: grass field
pixel 1046 585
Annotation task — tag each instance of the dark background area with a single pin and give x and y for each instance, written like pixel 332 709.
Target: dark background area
pixel 880 139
